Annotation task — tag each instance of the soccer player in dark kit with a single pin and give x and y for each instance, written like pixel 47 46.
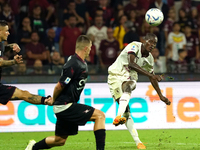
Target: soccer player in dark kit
pixel 66 94
pixel 10 92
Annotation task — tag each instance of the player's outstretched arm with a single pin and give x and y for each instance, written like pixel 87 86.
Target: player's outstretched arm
pixel 137 68
pixel 156 87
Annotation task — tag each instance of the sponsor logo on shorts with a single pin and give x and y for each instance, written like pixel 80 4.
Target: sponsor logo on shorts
pixel 86 111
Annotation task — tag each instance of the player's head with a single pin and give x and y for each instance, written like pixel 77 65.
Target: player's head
pixel 83 43
pixel 150 41
pixel 3 30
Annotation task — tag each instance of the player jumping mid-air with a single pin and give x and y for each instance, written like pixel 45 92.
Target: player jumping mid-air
pixel 10 92
pixel 123 74
pixel 66 94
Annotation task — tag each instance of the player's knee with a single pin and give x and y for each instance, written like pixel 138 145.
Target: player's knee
pixel 101 115
pixel 133 85
pixel 60 141
pixel 129 86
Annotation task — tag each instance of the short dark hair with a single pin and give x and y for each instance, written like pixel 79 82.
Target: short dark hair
pixel 99 9
pixel 150 35
pixel 35 31
pixel 128 24
pixel 36 6
pixel 175 24
pixel 187 25
pixel 71 16
pixel 3 23
pixel 82 40
pixel 181 50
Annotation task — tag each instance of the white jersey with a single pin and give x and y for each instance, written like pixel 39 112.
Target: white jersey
pixel 120 66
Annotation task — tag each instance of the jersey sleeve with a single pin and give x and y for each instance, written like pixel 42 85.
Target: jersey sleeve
pixel 133 48
pixel 67 74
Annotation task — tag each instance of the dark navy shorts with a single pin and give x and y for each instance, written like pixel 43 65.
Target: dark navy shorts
pixel 6 92
pixel 69 119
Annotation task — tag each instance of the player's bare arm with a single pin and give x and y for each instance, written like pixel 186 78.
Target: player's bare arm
pixel 136 67
pixel 15 47
pixel 156 87
pixel 5 63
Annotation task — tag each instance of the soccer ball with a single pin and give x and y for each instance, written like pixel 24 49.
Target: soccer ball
pixel 154 17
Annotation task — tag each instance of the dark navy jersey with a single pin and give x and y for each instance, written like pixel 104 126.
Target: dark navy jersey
pixel 73 78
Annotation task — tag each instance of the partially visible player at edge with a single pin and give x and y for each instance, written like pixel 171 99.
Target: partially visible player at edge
pixel 66 94
pixel 123 74
pixel 10 92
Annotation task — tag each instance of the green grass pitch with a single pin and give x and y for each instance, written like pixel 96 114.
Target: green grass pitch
pixel 174 139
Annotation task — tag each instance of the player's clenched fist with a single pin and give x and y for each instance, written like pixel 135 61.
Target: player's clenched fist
pixel 18 59
pixel 165 100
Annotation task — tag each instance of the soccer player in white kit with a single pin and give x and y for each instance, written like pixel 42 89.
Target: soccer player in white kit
pixel 135 58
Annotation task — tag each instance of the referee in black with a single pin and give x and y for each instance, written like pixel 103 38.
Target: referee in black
pixel 10 92
pixel 66 94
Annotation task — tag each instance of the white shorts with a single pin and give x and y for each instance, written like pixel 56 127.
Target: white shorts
pixel 115 85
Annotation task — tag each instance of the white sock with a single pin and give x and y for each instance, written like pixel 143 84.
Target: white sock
pixel 130 126
pixel 123 102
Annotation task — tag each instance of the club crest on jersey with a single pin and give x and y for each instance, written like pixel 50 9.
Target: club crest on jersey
pixel 67 80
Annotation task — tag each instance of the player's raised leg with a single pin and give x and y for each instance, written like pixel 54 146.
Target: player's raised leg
pixel 28 97
pixel 127 88
pixel 99 128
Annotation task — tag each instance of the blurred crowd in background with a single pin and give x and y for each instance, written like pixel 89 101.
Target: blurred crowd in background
pixel 46 31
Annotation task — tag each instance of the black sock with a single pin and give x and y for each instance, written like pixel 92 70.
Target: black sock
pixel 41 145
pixel 100 136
